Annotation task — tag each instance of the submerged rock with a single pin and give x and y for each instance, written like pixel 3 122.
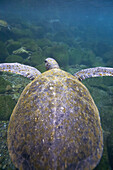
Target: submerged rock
pixel 4 24
pixel 3 52
pixel 84 56
pixel 22 52
pixel 59 52
pixel 3 85
pixel 6 106
pixel 14 58
pixel 5 161
pixel 110 148
pixel 12 45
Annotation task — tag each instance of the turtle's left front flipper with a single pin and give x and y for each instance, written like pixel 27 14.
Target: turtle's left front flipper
pixel 24 70
pixel 94 72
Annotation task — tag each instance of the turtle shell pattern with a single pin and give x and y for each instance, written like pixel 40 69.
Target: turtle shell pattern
pixel 55 125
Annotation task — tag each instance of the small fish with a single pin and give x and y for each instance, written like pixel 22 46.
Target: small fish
pixel 54 20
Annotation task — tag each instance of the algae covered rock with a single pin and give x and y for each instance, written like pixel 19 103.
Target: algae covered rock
pixel 6 106
pixel 82 56
pixel 22 52
pixel 58 52
pixel 20 33
pixel 3 85
pixel 75 56
pixel 34 59
pixel 64 36
pixel 110 148
pixel 63 59
pixel 12 45
pixel 108 58
pixel 14 58
pixel 3 24
pixel 5 161
pixel 38 31
pixel 30 44
pixel 3 51
pixel 100 48
pixel 44 42
pixel 41 67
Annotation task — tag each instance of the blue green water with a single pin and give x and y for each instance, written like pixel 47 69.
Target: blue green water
pixel 77 33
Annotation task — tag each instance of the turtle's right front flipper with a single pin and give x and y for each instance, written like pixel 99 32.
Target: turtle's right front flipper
pixel 24 70
pixel 94 72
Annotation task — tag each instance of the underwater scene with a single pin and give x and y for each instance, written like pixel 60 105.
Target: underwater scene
pixel 78 34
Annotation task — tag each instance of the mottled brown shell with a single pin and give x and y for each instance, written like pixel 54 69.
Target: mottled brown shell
pixel 55 125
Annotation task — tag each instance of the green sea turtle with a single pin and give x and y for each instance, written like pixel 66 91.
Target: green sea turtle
pixel 55 124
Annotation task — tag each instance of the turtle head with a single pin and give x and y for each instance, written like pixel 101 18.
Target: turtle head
pixel 50 63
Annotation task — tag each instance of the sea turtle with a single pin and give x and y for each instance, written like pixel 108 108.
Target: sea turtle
pixel 55 123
